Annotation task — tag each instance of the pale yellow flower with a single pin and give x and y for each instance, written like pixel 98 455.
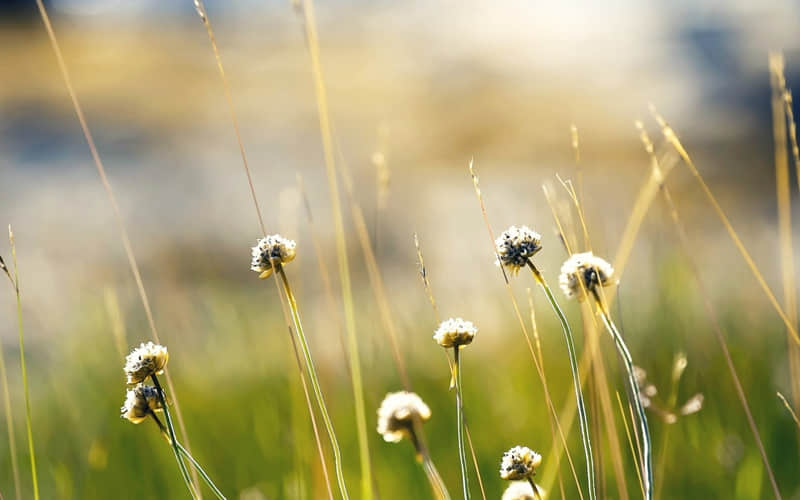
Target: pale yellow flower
pixel 584 271
pixel 520 462
pixel 144 361
pixel 274 249
pixel 455 332
pixel 516 246
pixel 140 402
pixel 396 415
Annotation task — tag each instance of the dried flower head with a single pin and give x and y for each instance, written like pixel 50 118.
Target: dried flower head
pixel 144 361
pixel 140 402
pixel 520 462
pixel 587 269
pixel 274 248
pixel 455 332
pixel 515 246
pixel 522 490
pixel 396 415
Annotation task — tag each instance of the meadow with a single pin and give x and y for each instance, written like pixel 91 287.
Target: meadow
pixel 396 178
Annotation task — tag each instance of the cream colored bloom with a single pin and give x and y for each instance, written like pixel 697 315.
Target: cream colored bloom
pixel 144 361
pixel 396 415
pixel 140 402
pixel 521 490
pixel 587 268
pixel 273 248
pixel 455 332
pixel 520 462
pixel 516 246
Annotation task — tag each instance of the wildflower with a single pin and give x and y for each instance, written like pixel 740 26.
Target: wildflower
pixel 515 246
pixel 272 249
pixel 521 490
pixel 520 462
pixel 146 360
pixel 455 332
pixel 141 401
pixel 587 269
pixel 396 415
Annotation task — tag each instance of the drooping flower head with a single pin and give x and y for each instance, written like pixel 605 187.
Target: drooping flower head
pixel 455 332
pixel 515 246
pixel 144 361
pixel 396 415
pixel 522 490
pixel 274 248
pixel 585 268
pixel 520 462
pixel 140 402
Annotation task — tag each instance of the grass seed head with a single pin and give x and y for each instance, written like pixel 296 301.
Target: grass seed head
pixel 144 361
pixel 396 415
pixel 587 268
pixel 140 402
pixel 520 462
pixel 516 246
pixel 455 332
pixel 274 249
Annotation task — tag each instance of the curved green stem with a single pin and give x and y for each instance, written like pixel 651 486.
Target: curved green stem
pixel 312 372
pixel 462 456
pixel 576 379
pixel 622 348
pixel 203 473
pixel 535 489
pixel 434 478
pixel 173 440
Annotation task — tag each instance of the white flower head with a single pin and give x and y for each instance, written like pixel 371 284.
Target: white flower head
pixel 522 490
pixel 144 361
pixel 455 332
pixel 272 249
pixel 516 246
pixel 396 415
pixel 140 402
pixel 520 462
pixel 584 271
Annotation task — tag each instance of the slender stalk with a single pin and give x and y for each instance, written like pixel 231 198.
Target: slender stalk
pixel 202 472
pixel 28 425
pixel 622 348
pixel 12 442
pixel 437 483
pixel 535 489
pixel 173 439
pixel 312 372
pixel 573 364
pixel 462 456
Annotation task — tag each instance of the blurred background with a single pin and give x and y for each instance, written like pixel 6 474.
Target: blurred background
pixel 416 89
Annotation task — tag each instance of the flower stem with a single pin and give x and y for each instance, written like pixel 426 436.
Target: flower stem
pixel 535 489
pixel 312 372
pixel 173 440
pixel 462 456
pixel 28 424
pixel 435 479
pixel 622 348
pixel 573 364
pixel 203 473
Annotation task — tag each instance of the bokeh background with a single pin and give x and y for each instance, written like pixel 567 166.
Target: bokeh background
pixel 416 90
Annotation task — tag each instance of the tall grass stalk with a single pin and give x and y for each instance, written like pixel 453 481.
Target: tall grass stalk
pixel 172 439
pixel 634 448
pixel 25 386
pixel 341 247
pixel 576 379
pixel 12 440
pixel 312 372
pixel 622 348
pixel 203 474
pixel 126 243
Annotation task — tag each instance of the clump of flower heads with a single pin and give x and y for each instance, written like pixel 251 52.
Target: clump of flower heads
pixel 455 332
pixel 272 249
pixel 140 402
pixel 397 413
pixel 584 271
pixel 520 462
pixel 516 246
pixel 522 490
pixel 146 360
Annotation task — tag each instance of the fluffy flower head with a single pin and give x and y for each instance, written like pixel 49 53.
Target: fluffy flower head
pixel 515 246
pixel 396 415
pixel 140 402
pixel 520 462
pixel 273 248
pixel 521 490
pixel 455 332
pixel 585 268
pixel 145 360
